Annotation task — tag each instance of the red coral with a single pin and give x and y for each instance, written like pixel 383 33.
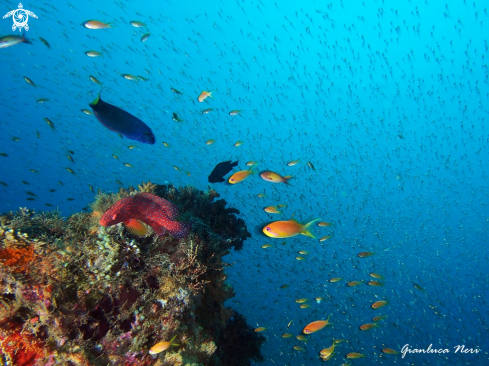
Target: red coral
pixel 17 259
pixel 19 349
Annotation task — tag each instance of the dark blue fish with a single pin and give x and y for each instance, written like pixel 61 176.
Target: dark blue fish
pixel 118 120
pixel 221 169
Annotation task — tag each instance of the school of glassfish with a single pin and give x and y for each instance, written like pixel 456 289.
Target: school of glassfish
pixel 288 140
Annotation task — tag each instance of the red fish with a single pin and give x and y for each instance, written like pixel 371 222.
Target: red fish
pixel 154 211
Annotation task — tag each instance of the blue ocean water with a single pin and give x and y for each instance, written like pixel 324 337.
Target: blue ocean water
pixel 388 100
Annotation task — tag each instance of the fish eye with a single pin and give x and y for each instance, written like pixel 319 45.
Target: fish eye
pixel 268 229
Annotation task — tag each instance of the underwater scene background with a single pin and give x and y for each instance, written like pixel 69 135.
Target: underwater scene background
pixel 384 103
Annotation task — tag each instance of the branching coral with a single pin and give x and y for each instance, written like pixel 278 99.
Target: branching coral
pixel 80 294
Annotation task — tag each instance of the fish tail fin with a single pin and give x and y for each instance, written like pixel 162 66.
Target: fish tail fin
pixel 24 39
pixel 111 25
pixel 305 228
pixel 287 178
pixel 95 102
pixel 135 227
pixel 178 229
pixel 210 94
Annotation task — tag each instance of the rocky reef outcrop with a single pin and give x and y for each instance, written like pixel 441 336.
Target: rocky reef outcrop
pixel 75 293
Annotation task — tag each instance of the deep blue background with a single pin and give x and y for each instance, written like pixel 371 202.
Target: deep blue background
pixel 333 83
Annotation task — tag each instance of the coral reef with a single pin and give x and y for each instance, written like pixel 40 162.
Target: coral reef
pixel 75 293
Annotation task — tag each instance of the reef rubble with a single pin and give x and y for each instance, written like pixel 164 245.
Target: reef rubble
pixel 75 293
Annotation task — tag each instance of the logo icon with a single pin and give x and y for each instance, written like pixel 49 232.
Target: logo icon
pixel 20 17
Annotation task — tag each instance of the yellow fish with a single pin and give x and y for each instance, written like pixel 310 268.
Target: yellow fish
pixel 275 177
pixel 325 238
pixel 301 301
pixel 368 326
pixel 93 53
pixel 293 162
pixel 315 326
pixel 251 163
pixel 354 283
pixel 238 143
pixel 375 283
pixel 29 81
pixel 210 142
pixel 204 95
pixel 265 246
pixel 240 176
pixel 260 329
pixel 336 279
pixel 95 24
pixel 162 346
pixel 95 80
pixel 288 229
pixel 129 77
pixel 322 223
pixel 325 353
pixel 272 210
pixel 286 335
pixel 379 304
pixel 365 254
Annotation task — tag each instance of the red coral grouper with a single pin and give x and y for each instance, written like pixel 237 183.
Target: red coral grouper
pixel 150 209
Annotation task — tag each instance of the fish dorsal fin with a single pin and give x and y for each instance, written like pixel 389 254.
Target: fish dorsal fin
pixel 294 220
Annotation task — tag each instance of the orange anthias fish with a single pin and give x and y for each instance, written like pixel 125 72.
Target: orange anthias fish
pixel 354 355
pixel 322 223
pixel 272 210
pixel 390 351
pixel 240 176
pixel 274 177
pixel 354 283
pixel 204 95
pixel 327 352
pixel 379 304
pixel 288 229
pixel 336 279
pixel 365 254
pixel 315 326
pixel 95 24
pixel 375 283
pixel 162 346
pixel 368 326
